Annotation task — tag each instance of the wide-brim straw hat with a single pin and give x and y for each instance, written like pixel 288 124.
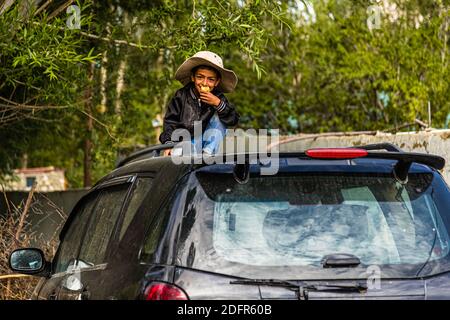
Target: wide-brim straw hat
pixel 207 58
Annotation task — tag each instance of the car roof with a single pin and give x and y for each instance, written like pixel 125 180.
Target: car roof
pixel 147 165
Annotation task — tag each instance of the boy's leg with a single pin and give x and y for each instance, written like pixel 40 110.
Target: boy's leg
pixel 213 135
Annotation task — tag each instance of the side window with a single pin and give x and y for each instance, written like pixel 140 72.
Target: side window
pixel 142 187
pixel 69 246
pixel 101 225
pixel 158 224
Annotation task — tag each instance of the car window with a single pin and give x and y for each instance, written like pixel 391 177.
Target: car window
pixel 70 245
pixel 157 225
pixel 101 225
pixel 378 232
pixel 293 222
pixel 141 188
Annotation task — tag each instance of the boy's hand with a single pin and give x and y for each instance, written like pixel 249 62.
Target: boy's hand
pixel 167 152
pixel 209 98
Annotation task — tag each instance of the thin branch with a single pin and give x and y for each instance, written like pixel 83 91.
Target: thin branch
pixel 27 85
pixel 99 122
pixel 60 9
pixel 421 123
pixel 119 42
pixel 45 5
pixel 26 106
pixel 10 276
pixel 319 135
pixel 58 210
pixel 25 213
pixel 6 5
pixel 131 44
pixel 6 200
pixel 341 134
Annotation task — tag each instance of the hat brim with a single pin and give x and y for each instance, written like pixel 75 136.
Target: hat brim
pixel 228 78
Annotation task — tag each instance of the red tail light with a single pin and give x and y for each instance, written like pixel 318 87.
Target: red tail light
pixel 336 153
pixel 164 291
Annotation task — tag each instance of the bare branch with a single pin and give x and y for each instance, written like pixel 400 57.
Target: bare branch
pixel 99 122
pixel 26 106
pixel 131 44
pixel 10 276
pixel 6 200
pixel 60 9
pixel 421 123
pixel 6 5
pixel 25 212
pixel 41 8
pixel 119 42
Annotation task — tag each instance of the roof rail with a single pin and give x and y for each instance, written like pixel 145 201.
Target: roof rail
pixel 152 151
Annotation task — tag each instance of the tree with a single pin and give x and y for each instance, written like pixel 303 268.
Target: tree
pixel 40 60
pixel 303 66
pixel 147 41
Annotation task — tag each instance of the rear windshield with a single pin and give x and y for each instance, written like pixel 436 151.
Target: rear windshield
pixel 283 226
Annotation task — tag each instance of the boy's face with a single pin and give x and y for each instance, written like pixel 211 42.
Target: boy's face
pixel 205 80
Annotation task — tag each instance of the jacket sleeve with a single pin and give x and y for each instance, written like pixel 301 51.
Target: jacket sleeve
pixel 227 112
pixel 171 119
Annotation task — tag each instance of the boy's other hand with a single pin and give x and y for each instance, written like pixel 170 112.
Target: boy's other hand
pixel 167 152
pixel 209 98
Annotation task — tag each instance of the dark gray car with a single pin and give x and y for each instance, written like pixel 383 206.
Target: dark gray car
pixel 351 223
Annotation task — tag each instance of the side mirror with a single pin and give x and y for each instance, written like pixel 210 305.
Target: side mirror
pixel 28 261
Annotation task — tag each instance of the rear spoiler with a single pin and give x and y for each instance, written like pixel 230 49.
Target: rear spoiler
pixel 376 151
pixel 400 170
pixel 405 159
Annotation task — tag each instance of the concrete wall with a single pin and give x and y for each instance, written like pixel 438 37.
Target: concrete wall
pixel 432 142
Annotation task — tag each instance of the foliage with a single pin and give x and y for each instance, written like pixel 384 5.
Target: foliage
pixel 332 75
pixel 303 66
pixel 41 77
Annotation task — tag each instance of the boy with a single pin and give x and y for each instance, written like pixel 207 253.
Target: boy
pixel 201 99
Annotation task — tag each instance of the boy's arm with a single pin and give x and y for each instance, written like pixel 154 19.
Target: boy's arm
pixel 171 119
pixel 227 112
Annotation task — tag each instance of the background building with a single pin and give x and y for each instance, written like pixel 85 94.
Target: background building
pixel 46 178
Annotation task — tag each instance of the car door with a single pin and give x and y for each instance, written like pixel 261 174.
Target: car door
pixel 66 256
pixel 120 279
pixel 99 227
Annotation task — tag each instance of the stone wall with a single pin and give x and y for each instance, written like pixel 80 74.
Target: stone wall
pixel 432 141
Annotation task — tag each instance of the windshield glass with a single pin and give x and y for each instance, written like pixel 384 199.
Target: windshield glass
pixel 290 222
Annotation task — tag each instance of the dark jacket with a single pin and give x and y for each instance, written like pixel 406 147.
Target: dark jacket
pixel 185 108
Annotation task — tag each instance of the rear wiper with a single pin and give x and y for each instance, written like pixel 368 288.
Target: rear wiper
pixel 267 282
pixel 303 289
pixel 350 287
pixel 340 260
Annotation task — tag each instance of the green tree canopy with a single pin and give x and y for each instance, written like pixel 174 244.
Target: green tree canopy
pixel 303 66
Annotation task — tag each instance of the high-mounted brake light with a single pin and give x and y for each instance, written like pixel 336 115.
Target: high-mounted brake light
pixel 164 291
pixel 336 153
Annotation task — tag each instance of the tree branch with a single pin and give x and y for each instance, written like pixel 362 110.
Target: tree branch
pixel 41 8
pixel 27 106
pixel 121 42
pixel 60 9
